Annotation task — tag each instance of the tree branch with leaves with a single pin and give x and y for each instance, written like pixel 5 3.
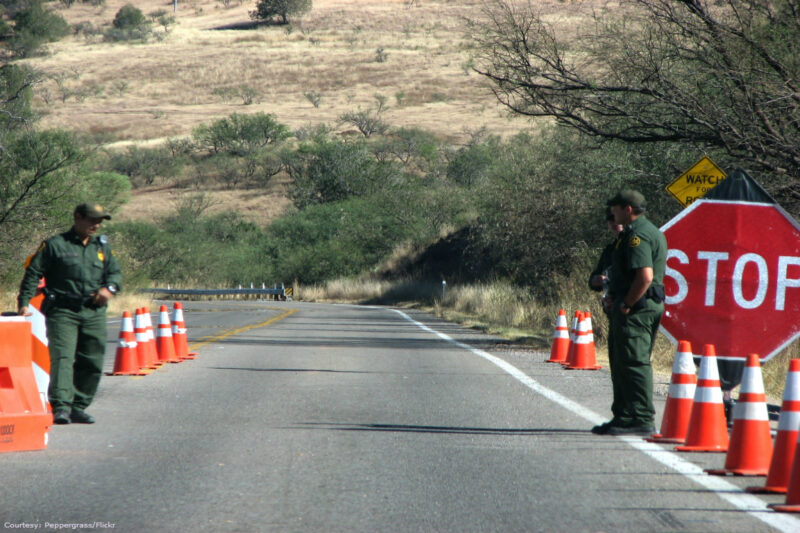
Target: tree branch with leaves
pixel 720 74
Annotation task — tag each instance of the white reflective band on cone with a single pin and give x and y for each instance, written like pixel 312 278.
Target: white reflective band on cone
pixel 752 381
pixel 681 391
pixel 708 395
pixel 683 365
pixel 789 421
pixel 750 411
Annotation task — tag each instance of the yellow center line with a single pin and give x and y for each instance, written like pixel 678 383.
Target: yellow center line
pixel 236 331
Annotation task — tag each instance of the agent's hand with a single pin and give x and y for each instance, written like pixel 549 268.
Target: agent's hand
pixel 102 297
pixel 597 281
pixel 24 311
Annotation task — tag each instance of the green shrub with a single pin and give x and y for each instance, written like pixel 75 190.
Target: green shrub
pixel 269 9
pixel 144 165
pixel 240 134
pixel 416 149
pixel 332 170
pixel 543 201
pixel 471 164
pixel 128 17
pixel 33 27
pixel 5 28
pixel 332 240
pixel 109 189
pixel 16 94
pixel 129 24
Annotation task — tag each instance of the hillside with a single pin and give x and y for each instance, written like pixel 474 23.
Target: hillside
pixel 345 55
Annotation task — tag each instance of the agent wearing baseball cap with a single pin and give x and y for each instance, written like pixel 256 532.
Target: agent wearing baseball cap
pixel 81 276
pixel 636 289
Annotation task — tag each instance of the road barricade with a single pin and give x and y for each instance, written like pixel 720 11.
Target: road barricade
pixel 24 419
pixel 41 351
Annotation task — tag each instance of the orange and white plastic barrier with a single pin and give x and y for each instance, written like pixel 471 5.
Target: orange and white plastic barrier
pixel 560 346
pixel 24 419
pixel 750 449
pixel 680 397
pixel 41 351
pixel 788 432
pixel 708 429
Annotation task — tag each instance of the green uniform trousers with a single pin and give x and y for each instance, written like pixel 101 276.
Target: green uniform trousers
pixel 77 343
pixel 631 340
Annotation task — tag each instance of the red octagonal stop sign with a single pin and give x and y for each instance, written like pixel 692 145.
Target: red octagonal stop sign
pixel 733 278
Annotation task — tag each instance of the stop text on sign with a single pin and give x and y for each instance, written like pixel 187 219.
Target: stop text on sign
pixel 748 278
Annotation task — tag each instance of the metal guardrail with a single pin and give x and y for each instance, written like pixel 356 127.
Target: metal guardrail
pixel 280 292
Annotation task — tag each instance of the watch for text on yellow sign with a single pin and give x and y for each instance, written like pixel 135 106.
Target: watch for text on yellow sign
pixel 696 182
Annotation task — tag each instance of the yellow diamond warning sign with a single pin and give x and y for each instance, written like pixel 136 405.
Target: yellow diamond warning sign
pixel 696 182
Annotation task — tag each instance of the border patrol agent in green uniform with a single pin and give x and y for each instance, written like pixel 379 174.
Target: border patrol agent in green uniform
pixel 637 290
pixel 81 276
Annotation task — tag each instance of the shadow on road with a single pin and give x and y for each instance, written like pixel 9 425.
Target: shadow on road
pixel 403 428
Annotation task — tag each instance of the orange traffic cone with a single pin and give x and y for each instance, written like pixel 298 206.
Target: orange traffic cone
pixel 585 357
pixel 140 333
pixel 680 397
pixel 126 362
pixel 560 348
pixel 750 449
pixel 179 333
pixel 708 430
pixel 164 344
pixel 573 337
pixel 788 432
pixel 792 503
pixel 152 352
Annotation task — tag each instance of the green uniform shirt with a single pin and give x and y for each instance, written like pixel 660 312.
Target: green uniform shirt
pixel 70 268
pixel 640 245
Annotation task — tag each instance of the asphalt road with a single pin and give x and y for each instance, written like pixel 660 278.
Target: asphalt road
pixel 326 418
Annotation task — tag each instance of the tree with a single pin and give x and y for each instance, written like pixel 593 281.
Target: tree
pixel 241 134
pixel 331 171
pixel 714 74
pixel 367 122
pixel 269 9
pixel 34 26
pixel 129 17
pixel 16 91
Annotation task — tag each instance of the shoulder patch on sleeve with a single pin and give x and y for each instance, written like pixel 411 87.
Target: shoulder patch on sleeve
pixel 634 241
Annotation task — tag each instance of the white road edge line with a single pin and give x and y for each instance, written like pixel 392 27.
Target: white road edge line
pixel 744 501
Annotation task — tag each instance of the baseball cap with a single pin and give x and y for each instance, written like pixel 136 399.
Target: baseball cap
pixel 628 197
pixel 92 211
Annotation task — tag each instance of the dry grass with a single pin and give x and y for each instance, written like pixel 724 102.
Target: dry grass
pixel 259 206
pixel 146 93
pixel 162 89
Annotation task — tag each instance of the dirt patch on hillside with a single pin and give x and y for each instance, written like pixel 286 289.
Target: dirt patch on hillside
pixel 259 206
